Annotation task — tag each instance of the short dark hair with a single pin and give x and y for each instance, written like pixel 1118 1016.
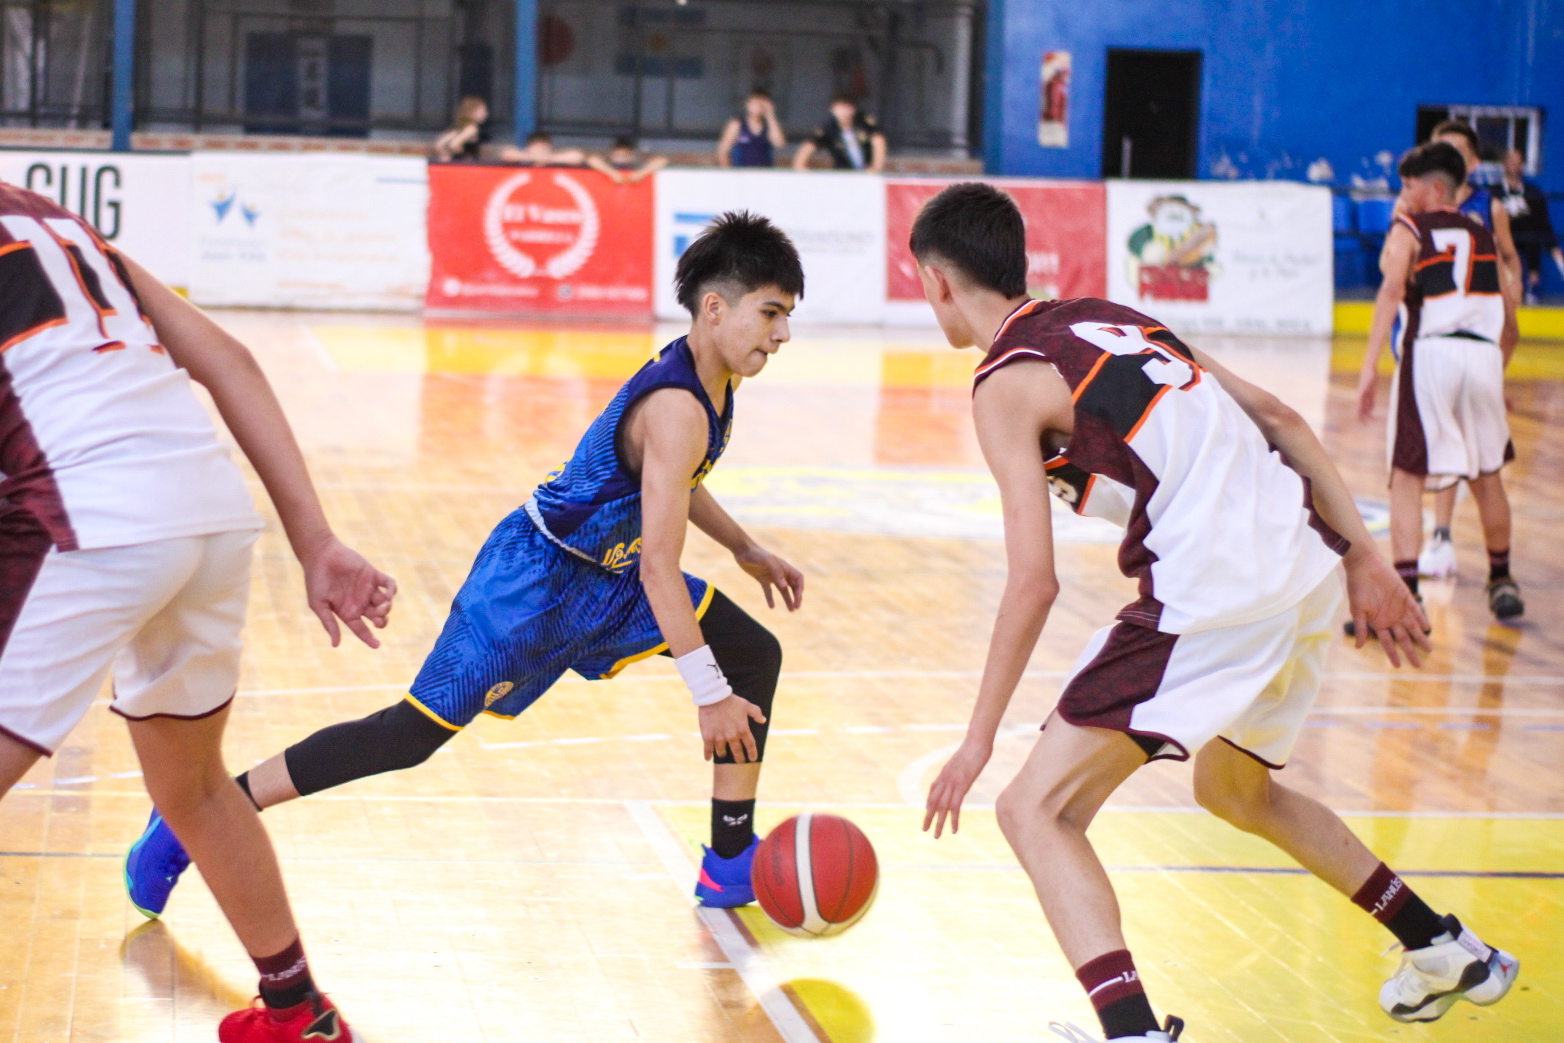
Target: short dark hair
pixel 1435 159
pixel 1460 127
pixel 739 250
pixel 758 91
pixel 537 136
pixel 843 98
pixel 978 229
pixel 624 141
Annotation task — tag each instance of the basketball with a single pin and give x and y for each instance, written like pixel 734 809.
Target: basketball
pixel 816 875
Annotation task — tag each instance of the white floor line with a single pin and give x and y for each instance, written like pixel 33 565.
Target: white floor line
pixel 746 959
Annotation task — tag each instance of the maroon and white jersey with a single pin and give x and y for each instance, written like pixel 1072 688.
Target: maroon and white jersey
pixel 1453 289
pixel 101 437
pixel 1219 530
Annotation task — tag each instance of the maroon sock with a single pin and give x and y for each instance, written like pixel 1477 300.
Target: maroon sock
pixel 1114 988
pixel 1407 570
pixel 1498 565
pixel 1388 899
pixel 285 978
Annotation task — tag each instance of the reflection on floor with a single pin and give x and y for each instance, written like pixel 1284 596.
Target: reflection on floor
pixel 532 882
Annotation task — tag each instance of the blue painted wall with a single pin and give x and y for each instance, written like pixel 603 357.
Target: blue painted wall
pixel 1284 81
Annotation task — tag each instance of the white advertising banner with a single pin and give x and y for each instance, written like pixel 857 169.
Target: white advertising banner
pixel 309 230
pixel 139 202
pixel 1223 257
pixel 837 221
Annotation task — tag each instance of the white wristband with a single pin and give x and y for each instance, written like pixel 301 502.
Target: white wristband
pixel 703 676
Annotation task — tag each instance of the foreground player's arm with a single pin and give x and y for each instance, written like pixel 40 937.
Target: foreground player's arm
pixel 667 441
pixel 1395 263
pixel 1511 279
pixel 1375 594
pixel 338 582
pixel 767 569
pixel 1013 408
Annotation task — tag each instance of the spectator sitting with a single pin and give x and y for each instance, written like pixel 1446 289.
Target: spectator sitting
pixel 751 140
pixel 462 142
pixel 1530 223
pixel 851 137
pixel 539 151
pixel 625 164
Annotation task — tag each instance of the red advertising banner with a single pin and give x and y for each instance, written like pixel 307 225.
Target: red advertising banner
pixel 1066 236
pixel 538 239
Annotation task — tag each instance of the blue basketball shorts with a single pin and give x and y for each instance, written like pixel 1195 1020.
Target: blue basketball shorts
pixel 528 612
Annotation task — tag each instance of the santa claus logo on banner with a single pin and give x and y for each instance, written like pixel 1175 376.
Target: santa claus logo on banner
pixel 541 224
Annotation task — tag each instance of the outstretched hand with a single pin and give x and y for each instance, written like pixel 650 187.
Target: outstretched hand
pixel 950 789
pixel 770 570
pixel 341 584
pixel 1378 599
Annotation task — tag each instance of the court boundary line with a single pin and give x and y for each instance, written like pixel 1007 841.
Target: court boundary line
pixel 748 961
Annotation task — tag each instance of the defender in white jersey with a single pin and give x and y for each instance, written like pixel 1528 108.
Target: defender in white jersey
pixel 1444 280
pixel 125 541
pixel 1241 535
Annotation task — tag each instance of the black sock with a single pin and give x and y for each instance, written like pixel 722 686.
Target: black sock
pixel 1131 1016
pixel 1387 898
pixel 732 826
pixel 285 978
pixel 1407 570
pixel 243 779
pixel 1442 532
pixel 1498 565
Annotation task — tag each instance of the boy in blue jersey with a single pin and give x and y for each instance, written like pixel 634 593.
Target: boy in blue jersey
pixel 585 576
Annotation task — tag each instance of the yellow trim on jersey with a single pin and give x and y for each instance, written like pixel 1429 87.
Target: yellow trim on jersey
pixel 700 613
pixel 432 715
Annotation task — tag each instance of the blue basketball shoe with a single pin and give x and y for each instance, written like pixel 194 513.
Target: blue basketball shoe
pixel 724 882
pixel 152 867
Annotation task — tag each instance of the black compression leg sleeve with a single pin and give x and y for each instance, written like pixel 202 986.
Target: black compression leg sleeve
pixel 750 657
pixel 399 736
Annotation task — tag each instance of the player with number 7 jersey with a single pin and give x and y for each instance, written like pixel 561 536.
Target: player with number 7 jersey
pixel 125 549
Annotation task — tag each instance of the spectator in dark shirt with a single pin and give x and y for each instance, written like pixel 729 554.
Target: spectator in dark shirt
pixel 852 138
pixel 461 143
pixel 625 164
pixel 539 151
pixel 1530 223
pixel 751 140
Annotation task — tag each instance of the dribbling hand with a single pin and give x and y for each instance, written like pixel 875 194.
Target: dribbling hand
pixel 950 789
pixel 725 729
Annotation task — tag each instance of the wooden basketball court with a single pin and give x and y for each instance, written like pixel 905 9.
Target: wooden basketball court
pixel 532 881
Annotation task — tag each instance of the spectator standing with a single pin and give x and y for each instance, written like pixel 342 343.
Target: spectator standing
pixel 1530 223
pixel 539 151
pixel 464 140
pixel 625 164
pixel 751 140
pixel 852 138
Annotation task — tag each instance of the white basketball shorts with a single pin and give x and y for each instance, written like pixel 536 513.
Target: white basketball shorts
pixel 1447 421
pixel 165 617
pixel 1250 685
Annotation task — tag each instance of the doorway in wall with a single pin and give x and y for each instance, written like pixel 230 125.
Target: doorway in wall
pixel 1151 115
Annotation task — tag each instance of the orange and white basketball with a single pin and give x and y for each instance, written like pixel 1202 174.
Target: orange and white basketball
pixel 815 875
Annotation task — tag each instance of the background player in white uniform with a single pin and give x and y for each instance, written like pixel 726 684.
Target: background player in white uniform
pixel 125 537
pixel 1443 276
pixel 1236 548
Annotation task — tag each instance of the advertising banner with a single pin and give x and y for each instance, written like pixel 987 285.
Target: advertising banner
pixel 1209 256
pixel 1065 251
pixel 138 202
pixel 309 230
pixel 837 221
pixel 549 239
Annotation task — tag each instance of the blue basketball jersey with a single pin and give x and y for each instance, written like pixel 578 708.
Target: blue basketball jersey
pixel 1479 206
pixel 591 507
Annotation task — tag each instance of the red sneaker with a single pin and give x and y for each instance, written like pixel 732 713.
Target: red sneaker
pixel 313 1021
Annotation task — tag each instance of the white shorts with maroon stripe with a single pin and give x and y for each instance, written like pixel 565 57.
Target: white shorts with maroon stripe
pixel 1449 422
pixel 1251 685
pixel 165 617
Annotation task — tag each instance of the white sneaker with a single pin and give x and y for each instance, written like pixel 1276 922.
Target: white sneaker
pixel 1437 560
pixel 1430 980
pixel 1073 1033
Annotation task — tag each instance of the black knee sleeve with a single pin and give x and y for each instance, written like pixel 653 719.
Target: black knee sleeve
pixel 750 657
pixel 399 736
